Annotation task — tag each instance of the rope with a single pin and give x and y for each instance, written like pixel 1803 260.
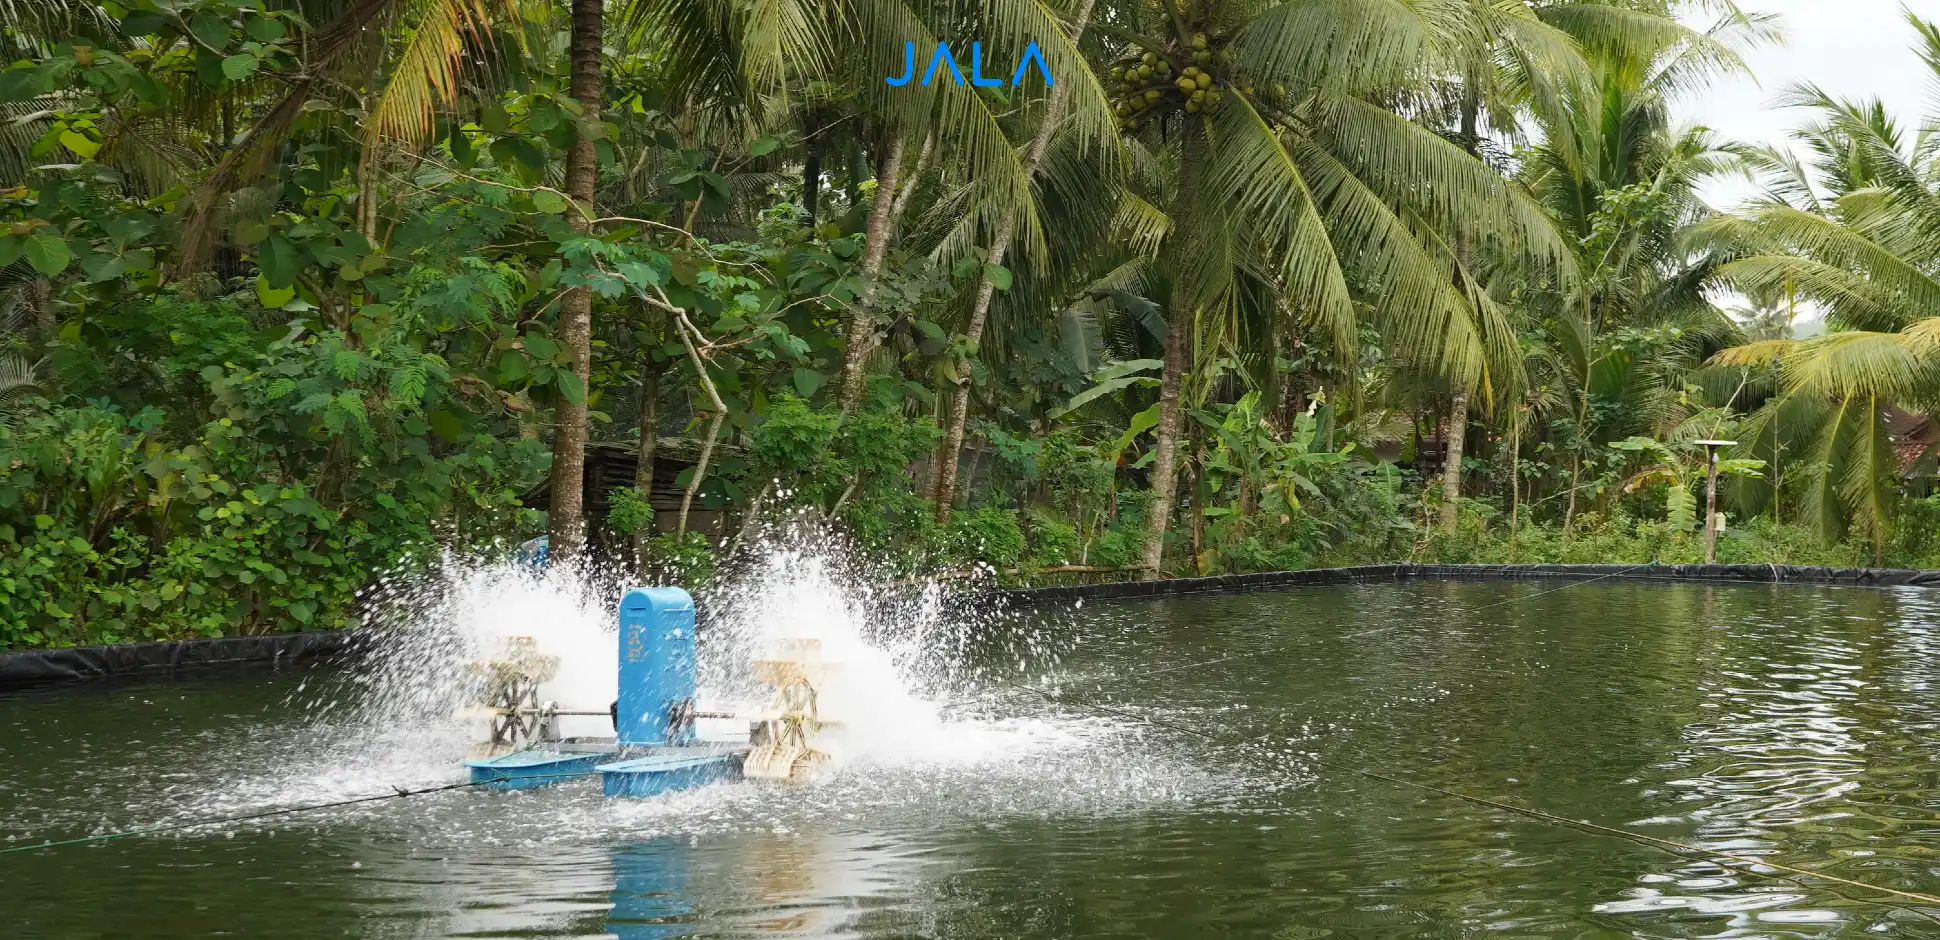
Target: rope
pixel 994 696
pixel 398 793
pixel 1573 584
pixel 1001 694
pixel 1668 845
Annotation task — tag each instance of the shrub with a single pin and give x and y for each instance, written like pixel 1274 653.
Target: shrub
pixel 1052 540
pixel 987 536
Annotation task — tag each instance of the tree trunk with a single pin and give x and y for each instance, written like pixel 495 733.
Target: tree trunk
pixel 39 294
pixel 910 181
pixel 1452 459
pixel 959 413
pixel 1159 516
pixel 700 474
pixel 643 469
pixel 812 169
pixel 1569 512
pixel 858 161
pixel 1458 408
pixel 568 522
pixel 688 335
pixel 367 192
pixel 862 333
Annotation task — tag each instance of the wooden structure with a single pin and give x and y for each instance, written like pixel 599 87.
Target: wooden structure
pixel 611 465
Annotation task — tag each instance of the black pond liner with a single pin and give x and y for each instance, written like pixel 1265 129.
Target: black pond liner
pixel 1277 580
pixel 36 667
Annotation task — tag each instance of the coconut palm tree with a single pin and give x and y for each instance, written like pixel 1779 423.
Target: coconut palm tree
pixel 1279 161
pixel 1853 228
pixel 762 56
pixel 1622 184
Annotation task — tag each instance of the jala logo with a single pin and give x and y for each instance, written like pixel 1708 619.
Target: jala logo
pixel 942 57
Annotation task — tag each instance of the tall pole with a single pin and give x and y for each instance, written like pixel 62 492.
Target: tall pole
pixel 1710 505
pixel 1711 498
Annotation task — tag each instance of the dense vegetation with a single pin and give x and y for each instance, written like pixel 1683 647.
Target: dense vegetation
pixel 295 291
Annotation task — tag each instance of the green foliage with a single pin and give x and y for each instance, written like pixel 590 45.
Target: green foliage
pixel 628 512
pixel 280 301
pixel 687 560
pixel 1051 541
pixel 1678 470
pixel 1617 538
pixel 288 473
pixel 987 537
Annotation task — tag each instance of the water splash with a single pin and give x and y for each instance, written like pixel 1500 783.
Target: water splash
pixel 912 655
pixel 901 654
pixel 425 631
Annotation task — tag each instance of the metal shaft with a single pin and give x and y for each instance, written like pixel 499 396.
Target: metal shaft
pixel 1710 505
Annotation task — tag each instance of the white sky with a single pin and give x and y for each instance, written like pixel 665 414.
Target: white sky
pixel 1851 48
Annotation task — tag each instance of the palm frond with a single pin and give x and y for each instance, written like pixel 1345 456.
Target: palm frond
pixel 1257 182
pixel 426 74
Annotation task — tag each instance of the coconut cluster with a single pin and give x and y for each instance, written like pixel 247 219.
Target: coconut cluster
pixel 1191 76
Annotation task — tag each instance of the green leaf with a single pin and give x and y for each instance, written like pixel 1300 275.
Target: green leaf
pixel 764 146
pixel 512 367
pixel 515 151
pixel 303 610
pixel 685 269
pixel 23 82
pixel 277 259
pixel 249 232
pixel 83 146
pixel 541 347
pixel 1127 367
pixel 47 253
pixel 571 387
pixel 547 201
pixel 461 146
pixel 238 67
pixel 999 276
pixel 1102 389
pixel 1141 422
pixel 448 425
pixel 273 297
pixel 808 381
pixel 266 28
pixel 639 274
pixel 10 248
pixel 211 28
pixel 103 267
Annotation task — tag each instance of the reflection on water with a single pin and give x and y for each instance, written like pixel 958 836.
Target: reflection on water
pixel 764 886
pixel 1793 723
pixel 650 891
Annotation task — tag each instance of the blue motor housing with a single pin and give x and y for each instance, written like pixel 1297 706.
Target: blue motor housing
pixel 532 552
pixel 656 701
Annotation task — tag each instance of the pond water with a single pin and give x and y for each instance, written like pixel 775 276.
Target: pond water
pixel 1795 723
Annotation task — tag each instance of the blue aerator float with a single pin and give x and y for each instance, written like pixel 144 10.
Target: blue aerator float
pixel 655 748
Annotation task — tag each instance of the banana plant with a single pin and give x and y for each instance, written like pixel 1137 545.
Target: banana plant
pixel 1278 470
